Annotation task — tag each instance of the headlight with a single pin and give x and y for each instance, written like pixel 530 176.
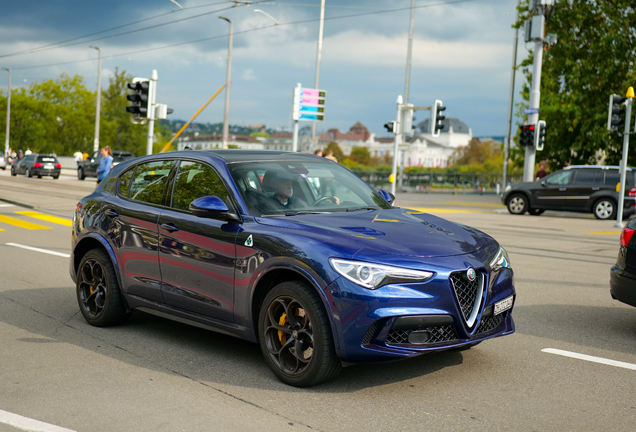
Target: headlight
pixel 507 188
pixel 373 276
pixel 502 260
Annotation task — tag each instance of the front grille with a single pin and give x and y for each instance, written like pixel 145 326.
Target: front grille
pixel 437 334
pixel 466 291
pixel 489 323
pixel 370 333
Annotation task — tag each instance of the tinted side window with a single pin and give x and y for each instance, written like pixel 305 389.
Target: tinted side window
pixel 149 182
pixel 196 180
pixel 611 178
pixel 124 182
pixel 560 178
pixel 588 176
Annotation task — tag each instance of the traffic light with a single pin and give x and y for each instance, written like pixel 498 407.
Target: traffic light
pixel 526 137
pixel 390 126
pixel 615 117
pixel 138 97
pixel 407 118
pixel 540 135
pixel 436 124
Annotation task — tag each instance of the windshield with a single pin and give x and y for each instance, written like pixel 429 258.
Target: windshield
pixel 288 188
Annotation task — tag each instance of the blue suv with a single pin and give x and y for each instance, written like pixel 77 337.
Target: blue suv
pixel 288 250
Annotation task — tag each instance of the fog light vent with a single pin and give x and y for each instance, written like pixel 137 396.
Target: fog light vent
pixel 419 337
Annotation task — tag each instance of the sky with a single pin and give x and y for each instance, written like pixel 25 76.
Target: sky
pixel 462 55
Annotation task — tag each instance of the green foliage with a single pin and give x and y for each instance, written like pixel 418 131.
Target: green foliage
pixel 260 134
pixel 592 59
pixel 360 155
pixel 337 151
pixel 478 157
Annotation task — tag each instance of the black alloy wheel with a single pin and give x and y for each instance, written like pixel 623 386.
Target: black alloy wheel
pixel 98 294
pixel 604 209
pixel 517 204
pixel 536 212
pixel 295 335
pixel 80 174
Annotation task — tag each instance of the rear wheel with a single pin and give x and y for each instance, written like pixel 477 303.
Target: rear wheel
pixel 28 173
pixel 80 174
pixel 13 173
pixel 56 177
pixel 98 294
pixel 295 335
pixel 604 209
pixel 518 204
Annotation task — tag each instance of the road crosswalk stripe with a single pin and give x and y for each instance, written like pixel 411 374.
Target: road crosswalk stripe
pixel 21 223
pixel 47 218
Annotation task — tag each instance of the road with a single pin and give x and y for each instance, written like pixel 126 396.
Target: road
pixel 153 374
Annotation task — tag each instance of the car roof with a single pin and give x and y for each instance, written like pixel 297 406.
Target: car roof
pixel 604 167
pixel 237 155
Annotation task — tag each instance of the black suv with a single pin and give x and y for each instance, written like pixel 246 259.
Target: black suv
pixel 580 188
pixel 37 165
pixel 88 168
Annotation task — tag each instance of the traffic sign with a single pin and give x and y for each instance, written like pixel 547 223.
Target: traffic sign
pixel 308 104
pixel 531 110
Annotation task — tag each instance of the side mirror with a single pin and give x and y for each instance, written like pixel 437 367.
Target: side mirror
pixel 543 183
pixel 388 196
pixel 213 207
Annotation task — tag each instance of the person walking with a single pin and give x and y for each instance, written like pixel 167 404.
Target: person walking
pixel 106 164
pixel 329 155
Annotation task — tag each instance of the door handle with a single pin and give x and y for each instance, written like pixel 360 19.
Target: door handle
pixel 111 212
pixel 562 189
pixel 169 227
pixel 595 188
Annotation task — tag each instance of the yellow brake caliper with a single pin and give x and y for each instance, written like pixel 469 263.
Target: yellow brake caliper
pixel 281 336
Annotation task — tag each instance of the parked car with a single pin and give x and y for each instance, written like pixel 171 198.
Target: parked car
pixel 288 250
pixel 580 188
pixel 88 168
pixel 4 161
pixel 37 165
pixel 623 273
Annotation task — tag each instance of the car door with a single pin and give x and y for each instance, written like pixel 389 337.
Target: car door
pixel 197 255
pixel 585 183
pixel 129 221
pixel 553 191
pixel 24 164
pixel 92 164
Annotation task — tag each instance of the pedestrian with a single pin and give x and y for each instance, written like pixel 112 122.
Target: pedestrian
pixel 85 155
pixel 106 164
pixel 318 152
pixel 27 152
pixel 78 156
pixel 541 173
pixel 329 155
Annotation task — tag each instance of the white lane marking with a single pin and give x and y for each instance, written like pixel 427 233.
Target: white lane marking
pixel 6 205
pixel 39 250
pixel 590 358
pixel 28 424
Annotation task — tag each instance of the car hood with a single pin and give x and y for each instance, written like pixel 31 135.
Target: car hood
pixel 393 231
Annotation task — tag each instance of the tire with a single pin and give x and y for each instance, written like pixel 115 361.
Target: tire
pixel 56 177
pixel 604 209
pixel 536 212
pixel 39 176
pixel 13 173
pixel 28 173
pixel 98 294
pixel 517 204
pixel 80 174
pixel 310 332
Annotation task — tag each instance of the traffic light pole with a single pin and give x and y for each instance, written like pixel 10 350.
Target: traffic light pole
pixel 623 170
pixel 396 145
pixel 535 100
pixel 152 90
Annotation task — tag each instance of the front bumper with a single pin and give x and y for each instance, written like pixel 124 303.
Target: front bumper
pixel 401 321
pixel 622 287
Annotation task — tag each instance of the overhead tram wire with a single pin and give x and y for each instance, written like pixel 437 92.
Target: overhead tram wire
pixel 57 45
pixel 247 31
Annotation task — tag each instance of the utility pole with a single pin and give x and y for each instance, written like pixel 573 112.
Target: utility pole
pixel 535 30
pixel 99 98
pixel 409 52
pixel 397 131
pixel 6 139
pixel 152 91
pixel 228 81
pixel 510 105
pixel 623 168
pixel 321 26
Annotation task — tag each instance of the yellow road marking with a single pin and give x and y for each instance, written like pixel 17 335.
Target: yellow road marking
pixel 44 217
pixel 603 232
pixel 21 223
pixel 471 204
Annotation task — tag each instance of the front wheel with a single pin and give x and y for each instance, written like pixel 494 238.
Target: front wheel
pixel 28 173
pixel 518 204
pixel 80 174
pixel 604 209
pixel 98 294
pixel 295 335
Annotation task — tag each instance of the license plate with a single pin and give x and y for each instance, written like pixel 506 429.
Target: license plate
pixel 503 305
pixel 48 166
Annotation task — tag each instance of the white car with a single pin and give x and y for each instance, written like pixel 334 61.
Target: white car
pixel 3 161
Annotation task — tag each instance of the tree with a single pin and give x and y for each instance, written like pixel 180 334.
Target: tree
pixel 360 154
pixel 592 59
pixel 478 156
pixel 337 151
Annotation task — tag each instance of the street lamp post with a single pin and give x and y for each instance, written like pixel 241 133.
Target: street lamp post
pixel 6 140
pixel 99 97
pixel 321 26
pixel 228 80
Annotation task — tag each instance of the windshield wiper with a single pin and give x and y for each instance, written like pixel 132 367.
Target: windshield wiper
pixel 302 212
pixel 361 208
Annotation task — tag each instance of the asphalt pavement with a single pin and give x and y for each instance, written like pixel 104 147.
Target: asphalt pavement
pixel 152 374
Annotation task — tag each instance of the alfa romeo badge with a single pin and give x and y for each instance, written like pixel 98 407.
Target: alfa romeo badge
pixel 471 274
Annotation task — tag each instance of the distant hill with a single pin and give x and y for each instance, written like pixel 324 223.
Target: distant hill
pixel 211 128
